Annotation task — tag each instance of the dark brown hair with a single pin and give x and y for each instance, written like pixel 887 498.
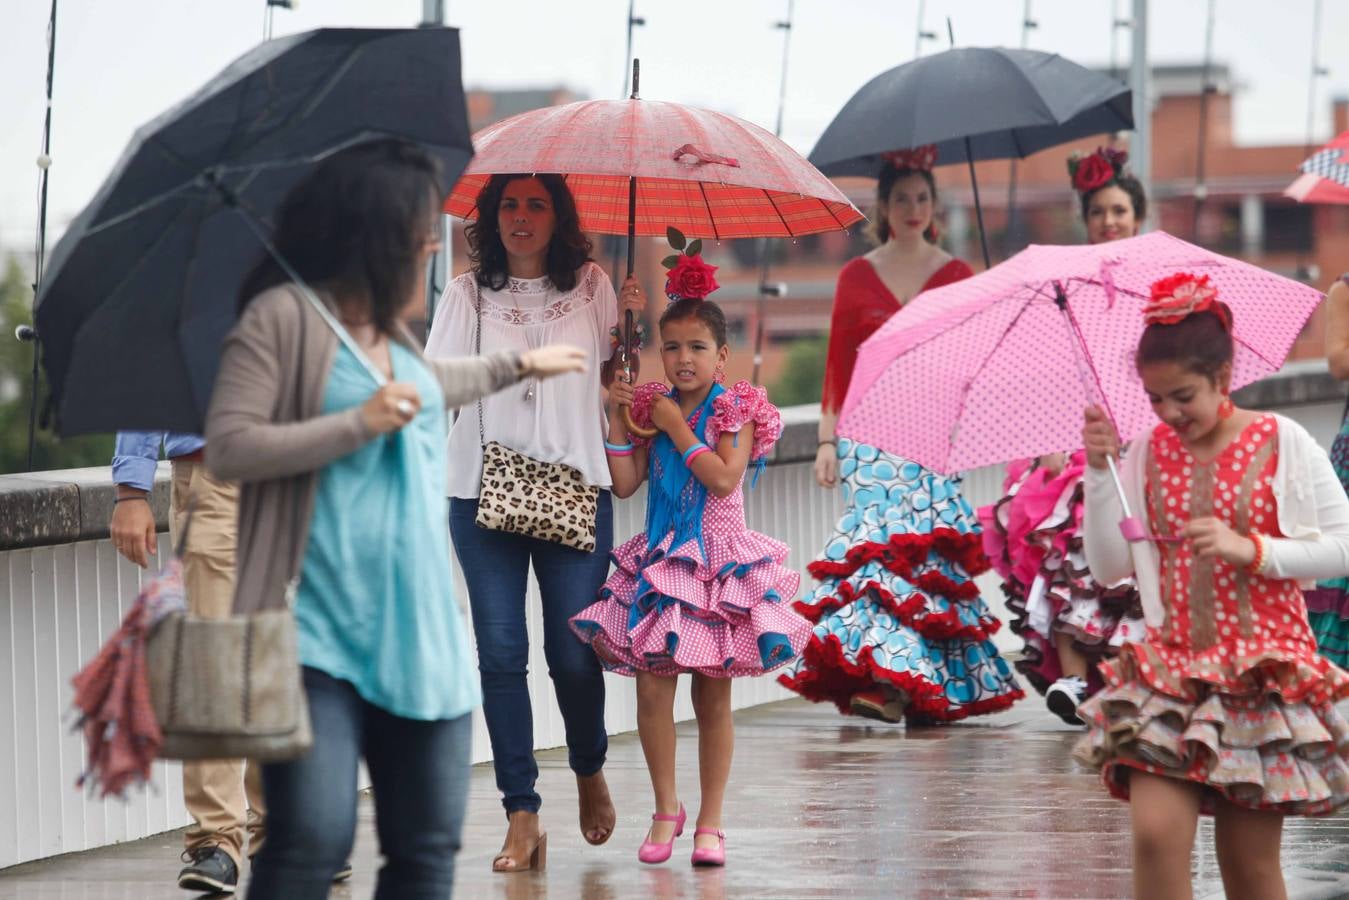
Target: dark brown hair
pixel 568 250
pixel 356 224
pixel 704 311
pixel 1127 183
pixel 879 227
pixel 1200 343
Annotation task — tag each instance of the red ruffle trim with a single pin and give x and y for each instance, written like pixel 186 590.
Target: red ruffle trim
pixel 902 553
pixel 911 611
pixel 828 675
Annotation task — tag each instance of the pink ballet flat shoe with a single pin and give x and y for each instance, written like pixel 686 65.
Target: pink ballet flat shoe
pixel 710 856
pixel 650 852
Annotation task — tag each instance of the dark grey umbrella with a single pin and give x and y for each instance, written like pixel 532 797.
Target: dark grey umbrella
pixel 973 103
pixel 141 290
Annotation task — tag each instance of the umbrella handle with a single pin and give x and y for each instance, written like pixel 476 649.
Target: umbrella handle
pixel 633 427
pixel 629 323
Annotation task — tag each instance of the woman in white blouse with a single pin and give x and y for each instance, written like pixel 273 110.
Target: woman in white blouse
pixel 531 268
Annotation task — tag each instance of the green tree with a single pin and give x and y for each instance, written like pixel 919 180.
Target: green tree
pixel 16 373
pixel 803 378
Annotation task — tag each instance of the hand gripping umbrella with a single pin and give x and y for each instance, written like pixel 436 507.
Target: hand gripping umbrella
pixel 141 290
pixel 973 103
pixel 640 167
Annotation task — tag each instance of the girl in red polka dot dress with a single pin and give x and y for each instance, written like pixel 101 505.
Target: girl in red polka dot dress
pixel 1224 708
pixel 697 591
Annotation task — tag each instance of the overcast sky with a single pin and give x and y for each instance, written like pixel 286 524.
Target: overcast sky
pixel 120 63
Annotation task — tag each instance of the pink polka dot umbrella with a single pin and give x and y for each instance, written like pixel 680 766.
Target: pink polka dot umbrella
pixel 1000 366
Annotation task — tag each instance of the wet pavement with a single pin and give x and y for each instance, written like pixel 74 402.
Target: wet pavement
pixel 820 806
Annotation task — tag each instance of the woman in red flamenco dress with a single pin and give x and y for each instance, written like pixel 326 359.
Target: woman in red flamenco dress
pixel 901 632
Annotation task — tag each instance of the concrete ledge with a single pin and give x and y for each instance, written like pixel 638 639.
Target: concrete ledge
pixel 66 505
pixel 42 508
pixel 1296 384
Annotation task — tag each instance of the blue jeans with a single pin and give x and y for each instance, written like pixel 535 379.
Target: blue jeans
pixel 420 775
pixel 496 567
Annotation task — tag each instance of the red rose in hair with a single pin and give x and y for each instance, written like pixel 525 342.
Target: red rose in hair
pixel 1092 172
pixel 691 278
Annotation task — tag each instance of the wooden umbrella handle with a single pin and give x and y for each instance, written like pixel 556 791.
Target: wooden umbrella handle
pixel 633 427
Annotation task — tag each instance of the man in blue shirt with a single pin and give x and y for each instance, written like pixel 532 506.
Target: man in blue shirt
pixel 221 795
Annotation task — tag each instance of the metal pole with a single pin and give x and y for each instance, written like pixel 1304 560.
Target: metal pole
pixel 1201 189
pixel 437 274
pixel 921 35
pixel 1140 82
pixel 1027 23
pixel 765 289
pixel 44 162
pixel 1317 71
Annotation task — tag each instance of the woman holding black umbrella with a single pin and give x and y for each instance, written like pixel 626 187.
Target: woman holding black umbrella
pixel 532 281
pixel 326 412
pixel 1068 620
pixel 901 631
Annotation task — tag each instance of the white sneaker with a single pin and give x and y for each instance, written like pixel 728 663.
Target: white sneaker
pixel 1064 696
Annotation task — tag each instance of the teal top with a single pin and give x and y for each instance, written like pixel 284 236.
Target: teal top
pixel 375 605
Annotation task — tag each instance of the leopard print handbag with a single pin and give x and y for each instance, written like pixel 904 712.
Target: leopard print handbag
pixel 543 500
pixel 521 495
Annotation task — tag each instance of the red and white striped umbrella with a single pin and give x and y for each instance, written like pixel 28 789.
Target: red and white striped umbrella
pixel 708 174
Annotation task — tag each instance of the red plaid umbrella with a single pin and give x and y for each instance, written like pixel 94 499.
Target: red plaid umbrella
pixel 1325 175
pixel 642 166
pixel 112 693
pixel 706 173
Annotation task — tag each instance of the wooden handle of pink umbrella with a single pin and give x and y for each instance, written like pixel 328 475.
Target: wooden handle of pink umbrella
pixel 633 427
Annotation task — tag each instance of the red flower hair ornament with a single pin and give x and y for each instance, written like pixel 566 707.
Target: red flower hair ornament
pixel 1178 296
pixel 1096 170
pixel 920 158
pixel 687 276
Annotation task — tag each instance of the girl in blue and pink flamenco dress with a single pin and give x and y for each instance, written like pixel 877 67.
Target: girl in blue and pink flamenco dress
pixel 697 592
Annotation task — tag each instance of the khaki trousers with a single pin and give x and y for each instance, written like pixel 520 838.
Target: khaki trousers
pixel 223 796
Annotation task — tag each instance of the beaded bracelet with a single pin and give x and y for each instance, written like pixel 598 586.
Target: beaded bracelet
pixel 694 452
pixel 1257 565
pixel 618 449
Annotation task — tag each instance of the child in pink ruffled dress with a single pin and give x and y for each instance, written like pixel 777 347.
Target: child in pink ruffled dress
pixel 696 592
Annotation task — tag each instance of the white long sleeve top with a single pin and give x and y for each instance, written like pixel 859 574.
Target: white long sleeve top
pixel 1313 514
pixel 558 420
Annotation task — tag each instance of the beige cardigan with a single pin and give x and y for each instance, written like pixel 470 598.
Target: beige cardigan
pixel 264 429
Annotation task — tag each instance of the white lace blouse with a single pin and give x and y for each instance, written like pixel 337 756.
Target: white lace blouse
pixel 558 420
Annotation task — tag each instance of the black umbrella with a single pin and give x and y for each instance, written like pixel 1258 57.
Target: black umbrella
pixel 972 103
pixel 141 290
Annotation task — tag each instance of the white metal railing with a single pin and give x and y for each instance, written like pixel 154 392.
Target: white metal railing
pixel 58 603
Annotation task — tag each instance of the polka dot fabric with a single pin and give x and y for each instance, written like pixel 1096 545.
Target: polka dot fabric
pixel 987 369
pixel 1230 692
pixel 722 610
pixel 895 604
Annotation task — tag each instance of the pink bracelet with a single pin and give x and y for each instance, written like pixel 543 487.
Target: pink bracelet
pixel 695 453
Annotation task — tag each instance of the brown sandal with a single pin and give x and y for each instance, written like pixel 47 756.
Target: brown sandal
pixel 533 858
pixel 591 818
